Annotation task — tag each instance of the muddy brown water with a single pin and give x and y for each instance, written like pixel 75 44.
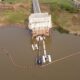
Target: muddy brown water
pixel 17 42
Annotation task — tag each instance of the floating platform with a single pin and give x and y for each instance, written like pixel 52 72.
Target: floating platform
pixel 40 24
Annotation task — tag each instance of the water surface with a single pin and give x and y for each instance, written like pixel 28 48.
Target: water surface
pixel 17 42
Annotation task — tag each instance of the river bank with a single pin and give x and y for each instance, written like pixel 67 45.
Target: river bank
pixel 64 15
pixel 17 25
pixel 24 26
pixel 69 31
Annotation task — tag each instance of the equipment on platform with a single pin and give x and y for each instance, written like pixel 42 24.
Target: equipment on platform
pixel 46 58
pixel 39 60
pixel 40 24
pixel 34 47
pixel 43 59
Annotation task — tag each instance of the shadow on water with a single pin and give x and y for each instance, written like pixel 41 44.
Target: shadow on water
pixel 61 30
pixel 18 43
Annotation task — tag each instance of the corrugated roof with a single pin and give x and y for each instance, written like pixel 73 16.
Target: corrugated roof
pixel 38 15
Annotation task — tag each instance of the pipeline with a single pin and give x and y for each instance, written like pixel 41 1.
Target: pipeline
pixel 44 47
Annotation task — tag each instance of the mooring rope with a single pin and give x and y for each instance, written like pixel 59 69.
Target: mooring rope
pixel 63 58
pixel 14 63
pixel 26 67
pixel 29 67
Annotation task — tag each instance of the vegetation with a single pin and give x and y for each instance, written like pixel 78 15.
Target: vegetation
pixel 61 30
pixel 19 14
pixel 16 1
pixel 64 13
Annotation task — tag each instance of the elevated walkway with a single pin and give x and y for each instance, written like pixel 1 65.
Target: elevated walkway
pixel 36 7
pixel 39 23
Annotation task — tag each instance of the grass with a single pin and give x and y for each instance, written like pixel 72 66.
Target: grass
pixel 61 2
pixel 14 16
pixel 16 1
pixel 62 12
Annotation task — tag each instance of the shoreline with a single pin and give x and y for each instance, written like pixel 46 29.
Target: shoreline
pixel 17 25
pixel 23 26
pixel 75 32
pixel 72 32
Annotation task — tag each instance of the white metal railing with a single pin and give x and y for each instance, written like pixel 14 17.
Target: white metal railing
pixel 36 7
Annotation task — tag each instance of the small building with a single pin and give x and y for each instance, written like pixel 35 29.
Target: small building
pixel 76 3
pixel 40 24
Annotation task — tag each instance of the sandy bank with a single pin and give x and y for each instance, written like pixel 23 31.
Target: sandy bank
pixel 17 25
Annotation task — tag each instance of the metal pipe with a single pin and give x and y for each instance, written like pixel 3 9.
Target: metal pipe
pixel 44 48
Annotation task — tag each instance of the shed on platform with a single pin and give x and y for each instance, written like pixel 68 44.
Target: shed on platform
pixel 40 24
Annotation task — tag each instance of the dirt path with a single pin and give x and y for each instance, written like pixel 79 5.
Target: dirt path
pixel 17 25
pixel 16 6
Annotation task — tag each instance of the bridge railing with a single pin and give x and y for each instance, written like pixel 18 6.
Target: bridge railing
pixel 36 6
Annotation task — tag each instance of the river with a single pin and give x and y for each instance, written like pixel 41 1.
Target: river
pixel 19 62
